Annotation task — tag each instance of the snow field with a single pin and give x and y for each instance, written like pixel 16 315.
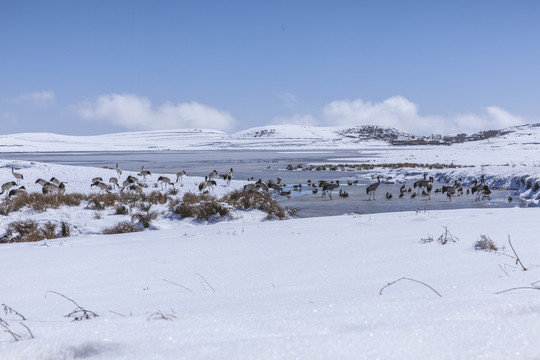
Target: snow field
pixel 304 288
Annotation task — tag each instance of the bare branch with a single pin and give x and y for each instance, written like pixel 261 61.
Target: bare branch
pixel 519 288
pixel 28 329
pixel 84 313
pixel 182 286
pixel 207 283
pixel 10 310
pixel 518 261
pixel 504 270
pixel 160 316
pixel 16 337
pixel 405 278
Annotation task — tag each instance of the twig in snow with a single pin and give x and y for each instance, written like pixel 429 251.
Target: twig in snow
pixel 517 257
pixel 406 278
pixel 504 270
pixel 16 337
pixel 160 316
pixel 519 288
pixel 85 314
pixel 533 286
pixel 28 329
pixel 207 283
pixel 10 310
pixel 182 286
pixel 115 313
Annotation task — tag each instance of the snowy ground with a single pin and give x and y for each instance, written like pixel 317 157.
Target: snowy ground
pixel 306 289
pixel 245 288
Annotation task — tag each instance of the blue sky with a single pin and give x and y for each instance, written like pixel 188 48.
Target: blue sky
pixel 93 67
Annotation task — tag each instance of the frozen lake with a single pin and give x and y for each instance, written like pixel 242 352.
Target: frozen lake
pixel 271 164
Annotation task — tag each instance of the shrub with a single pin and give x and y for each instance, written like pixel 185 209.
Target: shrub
pixel 145 218
pixel 155 197
pixel 121 209
pixel 102 201
pixel 255 200
pixel 24 231
pixel 200 207
pixel 49 230
pixel 121 228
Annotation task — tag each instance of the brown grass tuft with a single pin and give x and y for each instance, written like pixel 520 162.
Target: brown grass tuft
pixel 255 200
pixel 200 207
pixel 121 228
pixel 486 244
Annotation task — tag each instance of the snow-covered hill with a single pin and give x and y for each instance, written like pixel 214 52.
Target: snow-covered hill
pixel 277 137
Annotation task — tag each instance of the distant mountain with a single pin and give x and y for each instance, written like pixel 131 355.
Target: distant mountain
pixel 290 137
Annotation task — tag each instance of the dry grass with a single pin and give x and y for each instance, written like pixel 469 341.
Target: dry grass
pixel 255 200
pixel 200 207
pixel 121 228
pixel 486 244
pixel 145 218
pixel 155 197
pixel 30 231
pixel 360 167
pixel 121 209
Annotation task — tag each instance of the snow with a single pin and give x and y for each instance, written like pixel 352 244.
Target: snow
pixel 245 288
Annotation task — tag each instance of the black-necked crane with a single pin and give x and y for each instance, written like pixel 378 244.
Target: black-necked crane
pixel 137 189
pixel 16 192
pixel 50 188
pixel 41 182
pixel 328 187
pixel 228 176
pixel 179 176
pixel 17 175
pixel 250 187
pixel 102 186
pixel 96 179
pixel 204 184
pixel 510 199
pixel 165 180
pixel 388 195
pixel 118 171
pixel 55 181
pixel 114 181
pixel 130 180
pixel 478 188
pixel 449 190
pixel 372 188
pixel 262 186
pixel 212 174
pixel 7 185
pixel 144 173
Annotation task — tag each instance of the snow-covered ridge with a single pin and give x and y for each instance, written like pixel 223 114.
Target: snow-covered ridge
pixel 258 138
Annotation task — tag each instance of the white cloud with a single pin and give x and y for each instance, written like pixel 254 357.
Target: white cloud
pixel 400 113
pixel 297 119
pixel 137 113
pixel 40 98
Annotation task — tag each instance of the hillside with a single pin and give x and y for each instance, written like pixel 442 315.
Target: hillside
pixel 259 138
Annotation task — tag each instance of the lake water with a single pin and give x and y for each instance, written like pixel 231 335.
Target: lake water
pixel 271 164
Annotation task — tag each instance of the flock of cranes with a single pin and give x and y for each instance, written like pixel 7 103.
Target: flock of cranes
pixel 130 183
pixel 422 187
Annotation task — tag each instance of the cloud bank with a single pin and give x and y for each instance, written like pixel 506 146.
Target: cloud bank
pixel 400 113
pixel 135 112
pixel 39 98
